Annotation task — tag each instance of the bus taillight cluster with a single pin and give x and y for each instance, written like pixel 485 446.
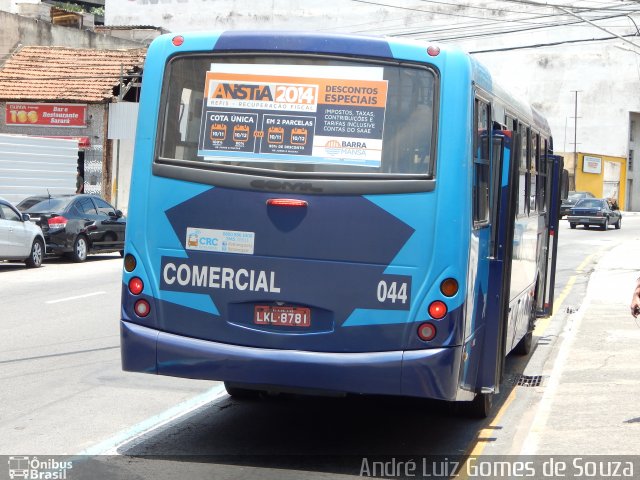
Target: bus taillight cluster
pixel 136 287
pixel 427 331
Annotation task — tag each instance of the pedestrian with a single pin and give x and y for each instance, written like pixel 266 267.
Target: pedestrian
pixel 79 182
pixel 635 300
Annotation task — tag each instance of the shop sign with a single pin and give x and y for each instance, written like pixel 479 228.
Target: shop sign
pixel 592 164
pixel 46 114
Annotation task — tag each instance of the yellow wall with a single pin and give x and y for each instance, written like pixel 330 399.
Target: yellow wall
pixel 593 182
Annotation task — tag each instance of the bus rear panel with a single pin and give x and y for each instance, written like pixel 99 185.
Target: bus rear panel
pixel 300 217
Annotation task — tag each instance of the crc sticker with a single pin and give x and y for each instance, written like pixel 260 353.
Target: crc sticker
pixel 227 241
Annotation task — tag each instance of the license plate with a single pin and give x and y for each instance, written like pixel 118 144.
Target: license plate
pixel 282 316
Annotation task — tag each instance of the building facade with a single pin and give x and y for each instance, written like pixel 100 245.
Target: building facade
pixel 579 66
pixel 66 92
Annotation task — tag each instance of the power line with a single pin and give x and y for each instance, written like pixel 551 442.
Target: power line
pixel 491 25
pixel 549 44
pixel 500 32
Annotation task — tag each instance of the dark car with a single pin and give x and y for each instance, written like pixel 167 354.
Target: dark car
pixel 595 211
pixel 571 200
pixel 29 202
pixel 77 225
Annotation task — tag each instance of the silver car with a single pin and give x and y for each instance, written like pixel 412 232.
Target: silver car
pixel 20 239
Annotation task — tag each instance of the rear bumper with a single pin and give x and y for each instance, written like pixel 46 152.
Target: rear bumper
pixel 585 219
pixel 58 243
pixel 431 373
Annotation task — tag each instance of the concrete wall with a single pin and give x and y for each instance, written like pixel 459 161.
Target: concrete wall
pixel 633 167
pixel 16 30
pixel 120 186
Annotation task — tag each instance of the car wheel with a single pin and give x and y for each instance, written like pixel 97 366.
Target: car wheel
pixel 572 225
pixel 618 224
pixel 34 260
pixel 80 249
pixel 605 226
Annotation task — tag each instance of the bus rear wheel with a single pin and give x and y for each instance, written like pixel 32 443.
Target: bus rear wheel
pixel 240 393
pixel 524 345
pixel 479 407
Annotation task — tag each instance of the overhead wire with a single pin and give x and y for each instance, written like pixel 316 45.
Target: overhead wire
pixel 488 30
pixel 387 26
pixel 526 20
pixel 487 22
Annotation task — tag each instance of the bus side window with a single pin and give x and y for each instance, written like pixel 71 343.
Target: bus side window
pixel 533 172
pixel 541 160
pixel 482 137
pixel 523 181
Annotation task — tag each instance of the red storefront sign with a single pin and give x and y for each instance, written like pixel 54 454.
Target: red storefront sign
pixel 46 114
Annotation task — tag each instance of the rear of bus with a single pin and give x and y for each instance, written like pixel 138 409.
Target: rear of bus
pixel 297 219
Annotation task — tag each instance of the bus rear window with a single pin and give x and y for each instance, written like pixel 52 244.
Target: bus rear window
pixel 253 114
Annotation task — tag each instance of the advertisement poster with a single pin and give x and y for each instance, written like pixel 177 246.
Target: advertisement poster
pixel 286 113
pixel 46 114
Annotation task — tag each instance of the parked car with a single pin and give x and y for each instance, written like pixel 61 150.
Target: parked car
pixel 595 211
pixel 569 202
pixel 26 203
pixel 20 239
pixel 78 225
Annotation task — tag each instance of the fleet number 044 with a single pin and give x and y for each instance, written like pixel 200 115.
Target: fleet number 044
pixel 393 291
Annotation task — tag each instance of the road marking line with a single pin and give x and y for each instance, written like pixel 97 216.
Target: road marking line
pixel 484 436
pixel 541 326
pixel 541 416
pixel 77 297
pixel 142 429
pixel 543 323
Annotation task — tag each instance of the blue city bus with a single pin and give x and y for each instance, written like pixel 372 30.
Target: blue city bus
pixel 333 214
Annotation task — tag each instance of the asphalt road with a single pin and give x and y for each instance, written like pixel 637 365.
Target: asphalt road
pixel 63 391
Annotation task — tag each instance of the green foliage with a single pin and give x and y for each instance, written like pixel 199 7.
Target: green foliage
pixel 74 7
pixel 70 7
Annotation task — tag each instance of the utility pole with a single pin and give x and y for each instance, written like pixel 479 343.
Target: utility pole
pixel 575 136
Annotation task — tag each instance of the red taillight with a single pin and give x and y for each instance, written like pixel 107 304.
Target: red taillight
pixel 427 331
pixel 437 310
pixel 177 41
pixel 433 51
pixel 57 222
pixel 286 202
pixel 136 286
pixel 142 308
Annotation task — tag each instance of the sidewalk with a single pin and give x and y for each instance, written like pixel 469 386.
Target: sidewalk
pixel 591 400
